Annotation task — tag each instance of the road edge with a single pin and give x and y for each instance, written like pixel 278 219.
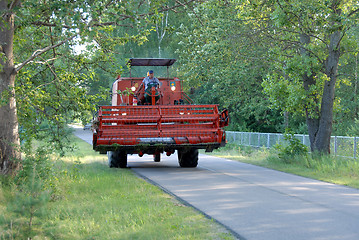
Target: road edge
pixel 184 202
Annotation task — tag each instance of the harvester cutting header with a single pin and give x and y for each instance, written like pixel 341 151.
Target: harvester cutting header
pixel 154 115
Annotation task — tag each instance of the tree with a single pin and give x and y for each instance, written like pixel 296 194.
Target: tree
pixel 222 63
pixel 9 137
pixel 63 22
pixel 161 29
pixel 308 41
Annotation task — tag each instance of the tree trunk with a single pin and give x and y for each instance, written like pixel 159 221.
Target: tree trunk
pixel 356 112
pixel 312 114
pixel 9 132
pixel 286 120
pixel 322 142
pixel 320 121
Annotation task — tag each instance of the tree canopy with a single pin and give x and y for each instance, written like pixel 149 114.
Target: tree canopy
pixel 43 82
pixel 272 63
pixel 297 51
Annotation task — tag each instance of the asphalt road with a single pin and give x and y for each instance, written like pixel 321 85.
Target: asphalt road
pixel 254 202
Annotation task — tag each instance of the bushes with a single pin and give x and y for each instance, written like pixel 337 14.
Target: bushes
pixel 293 147
pixel 354 129
pixel 29 193
pixel 92 202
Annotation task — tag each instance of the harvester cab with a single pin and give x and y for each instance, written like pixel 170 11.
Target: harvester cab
pixel 131 90
pixel 168 122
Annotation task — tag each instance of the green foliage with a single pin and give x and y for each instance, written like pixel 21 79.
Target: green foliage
pixel 300 32
pixel 38 165
pixel 354 129
pixel 327 168
pixel 291 148
pixel 99 203
pixel 234 149
pixel 221 65
pixel 226 55
pixel 32 189
pixel 333 165
pixel 63 85
pixel 46 103
pixel 126 92
pixel 4 97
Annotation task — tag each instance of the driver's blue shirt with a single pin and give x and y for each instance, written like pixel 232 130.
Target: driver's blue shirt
pixel 150 81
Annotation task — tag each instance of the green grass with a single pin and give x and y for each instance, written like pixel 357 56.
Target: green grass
pixel 92 201
pixel 343 171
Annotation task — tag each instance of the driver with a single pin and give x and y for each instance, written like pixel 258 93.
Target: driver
pixel 149 82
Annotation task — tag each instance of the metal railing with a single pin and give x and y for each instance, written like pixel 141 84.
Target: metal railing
pixel 339 146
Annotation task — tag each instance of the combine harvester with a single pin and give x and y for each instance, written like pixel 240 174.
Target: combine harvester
pixel 172 122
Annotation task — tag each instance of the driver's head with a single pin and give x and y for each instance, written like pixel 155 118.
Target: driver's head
pixel 150 73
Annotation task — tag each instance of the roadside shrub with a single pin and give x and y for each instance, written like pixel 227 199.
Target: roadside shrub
pixel 29 206
pixel 291 148
pixel 44 170
pixel 354 129
pixel 235 149
pixel 31 190
pixel 246 150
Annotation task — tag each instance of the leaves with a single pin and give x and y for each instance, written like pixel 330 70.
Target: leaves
pixel 223 64
pixel 56 85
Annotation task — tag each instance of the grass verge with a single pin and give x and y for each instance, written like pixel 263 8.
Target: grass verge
pixel 343 171
pixel 91 201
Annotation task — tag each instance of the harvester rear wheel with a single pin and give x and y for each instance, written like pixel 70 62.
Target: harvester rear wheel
pixel 112 159
pixel 122 159
pixel 188 158
pixel 157 157
pixel 117 159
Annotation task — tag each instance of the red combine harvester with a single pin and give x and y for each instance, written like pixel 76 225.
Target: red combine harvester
pixel 169 122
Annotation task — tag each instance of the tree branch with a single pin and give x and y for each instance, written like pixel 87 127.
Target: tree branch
pixel 14 4
pixel 44 62
pixel 40 23
pixel 353 12
pixel 41 51
pixel 163 9
pixel 111 24
pixel 199 19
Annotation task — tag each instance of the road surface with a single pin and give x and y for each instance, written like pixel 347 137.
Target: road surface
pixel 254 202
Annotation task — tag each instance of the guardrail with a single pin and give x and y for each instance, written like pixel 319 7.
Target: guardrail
pixel 340 145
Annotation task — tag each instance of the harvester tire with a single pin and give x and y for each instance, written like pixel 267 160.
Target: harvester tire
pixel 189 158
pixel 112 160
pixel 117 159
pixel 157 157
